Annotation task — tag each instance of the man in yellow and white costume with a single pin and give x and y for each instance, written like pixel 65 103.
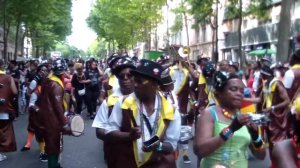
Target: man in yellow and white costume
pixel 141 116
pixel 123 65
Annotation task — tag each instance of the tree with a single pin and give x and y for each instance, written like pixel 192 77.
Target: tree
pixel 44 21
pixel 284 30
pixel 125 22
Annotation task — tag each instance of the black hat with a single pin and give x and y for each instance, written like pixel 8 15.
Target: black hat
pixel 148 69
pixel 166 78
pixel 59 66
pixel 266 71
pixel 112 59
pixel 208 69
pixel 235 65
pixel 122 63
pixel 266 58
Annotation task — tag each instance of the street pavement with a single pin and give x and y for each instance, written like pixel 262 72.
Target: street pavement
pixel 79 152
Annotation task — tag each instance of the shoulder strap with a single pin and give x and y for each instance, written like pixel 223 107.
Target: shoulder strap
pixel 213 112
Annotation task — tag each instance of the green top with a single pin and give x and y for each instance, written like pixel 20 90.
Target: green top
pixel 233 154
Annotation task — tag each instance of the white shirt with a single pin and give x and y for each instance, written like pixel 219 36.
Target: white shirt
pixel 288 79
pixel 101 118
pixel 33 96
pixel 178 77
pixel 256 80
pixel 172 133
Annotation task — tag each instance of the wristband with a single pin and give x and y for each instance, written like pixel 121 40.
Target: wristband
pixel 273 108
pixel 257 140
pixel 159 148
pixel 226 133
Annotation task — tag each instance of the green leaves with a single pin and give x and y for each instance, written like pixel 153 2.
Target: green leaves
pixel 125 22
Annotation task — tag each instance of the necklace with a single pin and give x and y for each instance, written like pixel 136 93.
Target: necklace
pixel 228 115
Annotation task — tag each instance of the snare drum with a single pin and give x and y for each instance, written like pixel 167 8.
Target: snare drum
pixel 185 133
pixel 76 124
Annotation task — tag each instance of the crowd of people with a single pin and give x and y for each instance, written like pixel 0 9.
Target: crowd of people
pixel 139 106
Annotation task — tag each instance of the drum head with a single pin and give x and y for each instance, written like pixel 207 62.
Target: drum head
pixel 77 125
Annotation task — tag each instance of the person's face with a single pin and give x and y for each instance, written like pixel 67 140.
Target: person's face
pixel 167 88
pixel 143 86
pixel 125 79
pixel 33 67
pixel 233 93
pixel 231 69
pixel 44 72
pixel 223 67
pixel 79 71
pixel 93 65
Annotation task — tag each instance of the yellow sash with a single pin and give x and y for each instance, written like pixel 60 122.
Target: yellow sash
pixel 297 66
pixel 269 92
pixel 56 79
pixel 186 75
pixel 167 112
pixel 2 72
pixel 111 81
pixel 112 100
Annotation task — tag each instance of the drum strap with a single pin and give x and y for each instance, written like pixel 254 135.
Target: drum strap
pixel 148 125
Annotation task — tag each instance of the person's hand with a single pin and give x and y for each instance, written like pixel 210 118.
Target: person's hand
pixel 135 133
pixel 151 148
pixel 253 130
pixel 34 108
pixel 267 110
pixel 239 121
pixel 67 131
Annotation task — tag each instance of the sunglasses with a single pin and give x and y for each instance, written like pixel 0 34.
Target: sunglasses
pixel 141 81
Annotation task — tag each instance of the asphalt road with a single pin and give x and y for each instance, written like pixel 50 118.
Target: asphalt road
pixel 79 152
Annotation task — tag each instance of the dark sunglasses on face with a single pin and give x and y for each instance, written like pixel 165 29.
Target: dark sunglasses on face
pixel 141 81
pixel 124 76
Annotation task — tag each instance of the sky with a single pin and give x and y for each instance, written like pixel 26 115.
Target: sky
pixel 82 36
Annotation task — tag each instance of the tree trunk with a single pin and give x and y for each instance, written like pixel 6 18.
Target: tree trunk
pixel 22 44
pixel 17 37
pixel 240 55
pixel 37 51
pixel 284 29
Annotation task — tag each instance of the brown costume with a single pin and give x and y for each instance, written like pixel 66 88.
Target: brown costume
pixel 51 115
pixel 126 153
pixel 7 136
pixel 276 129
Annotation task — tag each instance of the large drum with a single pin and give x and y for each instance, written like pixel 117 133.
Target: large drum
pixel 185 133
pixel 76 124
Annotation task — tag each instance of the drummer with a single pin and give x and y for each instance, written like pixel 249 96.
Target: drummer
pixel 51 114
pixel 34 92
pixel 139 117
pixel 122 71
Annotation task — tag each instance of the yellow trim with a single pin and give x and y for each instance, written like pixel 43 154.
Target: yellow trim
pixel 2 72
pixel 112 100
pixel 167 112
pixel 202 79
pixel 269 97
pixel 111 81
pixel 186 75
pixel 56 79
pixel 296 66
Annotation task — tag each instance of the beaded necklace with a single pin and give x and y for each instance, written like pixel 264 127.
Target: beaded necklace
pixel 296 144
pixel 229 115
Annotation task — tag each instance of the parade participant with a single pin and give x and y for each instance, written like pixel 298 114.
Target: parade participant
pixel 13 70
pixel 34 90
pixel 180 74
pixel 144 115
pixel 78 83
pixel 266 61
pixel 223 66
pixel 205 88
pixel 287 153
pixel 291 79
pixel 8 90
pixel 233 67
pixel 122 71
pixel 68 87
pixel 51 114
pixel 275 101
pixel 110 81
pixel 221 138
pixel 167 88
pixel 92 84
